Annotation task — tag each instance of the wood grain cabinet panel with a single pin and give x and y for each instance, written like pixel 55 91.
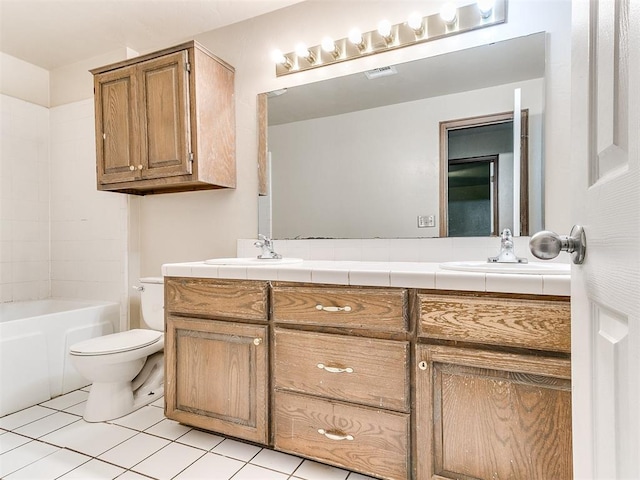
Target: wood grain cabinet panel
pixel 528 323
pixel 368 440
pixel 216 376
pixel 222 299
pixel 165 122
pixel 117 126
pixel 481 415
pixel 368 309
pixel 361 370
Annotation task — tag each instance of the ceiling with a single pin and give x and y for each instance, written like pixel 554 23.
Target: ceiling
pixel 55 33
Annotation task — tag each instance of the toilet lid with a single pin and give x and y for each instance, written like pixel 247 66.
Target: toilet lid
pixel 116 342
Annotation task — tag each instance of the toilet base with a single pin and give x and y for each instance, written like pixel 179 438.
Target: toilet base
pixel 108 401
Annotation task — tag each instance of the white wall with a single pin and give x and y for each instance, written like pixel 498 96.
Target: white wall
pixel 60 237
pixel 23 80
pixel 193 226
pixel 24 200
pixel 89 229
pixel 369 174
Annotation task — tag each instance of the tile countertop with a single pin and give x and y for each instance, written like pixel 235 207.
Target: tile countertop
pixel 380 274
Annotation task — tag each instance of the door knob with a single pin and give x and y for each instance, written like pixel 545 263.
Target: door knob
pixel 547 245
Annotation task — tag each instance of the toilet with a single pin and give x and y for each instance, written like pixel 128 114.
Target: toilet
pixel 126 369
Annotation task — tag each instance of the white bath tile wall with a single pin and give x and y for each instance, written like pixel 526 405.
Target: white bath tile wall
pixel 88 227
pixel 24 200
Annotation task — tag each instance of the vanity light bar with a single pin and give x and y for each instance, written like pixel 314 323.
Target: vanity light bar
pixel 390 37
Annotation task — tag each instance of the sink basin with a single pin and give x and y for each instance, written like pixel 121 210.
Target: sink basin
pixel 531 268
pixel 252 261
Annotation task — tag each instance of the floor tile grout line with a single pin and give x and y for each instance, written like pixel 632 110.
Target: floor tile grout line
pixel 78 466
pixel 203 454
pixel 290 476
pixel 53 411
pixel 48 433
pixel 34 461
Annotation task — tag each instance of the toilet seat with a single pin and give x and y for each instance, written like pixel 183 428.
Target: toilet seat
pixel 116 342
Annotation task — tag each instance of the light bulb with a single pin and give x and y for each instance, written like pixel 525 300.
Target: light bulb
pixel 384 28
pixel 448 12
pixel 278 57
pixel 415 23
pixel 486 7
pixel 302 50
pixel 328 45
pixel 355 37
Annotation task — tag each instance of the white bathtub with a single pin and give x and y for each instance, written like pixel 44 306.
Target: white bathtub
pixel 35 338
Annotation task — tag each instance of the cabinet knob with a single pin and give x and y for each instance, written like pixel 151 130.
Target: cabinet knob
pixel 132 168
pixel 139 167
pixel 335 435
pixel 257 341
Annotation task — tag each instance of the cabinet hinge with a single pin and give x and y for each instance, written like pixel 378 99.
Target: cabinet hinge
pixel 191 156
pixel 188 67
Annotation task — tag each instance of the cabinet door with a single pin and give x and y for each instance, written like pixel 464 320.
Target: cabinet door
pixel 487 415
pixel 117 126
pixel 164 112
pixel 216 376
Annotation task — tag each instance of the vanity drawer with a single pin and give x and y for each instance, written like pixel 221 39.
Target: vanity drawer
pixel 366 308
pixel 528 323
pixel 233 299
pixel 360 370
pixel 364 439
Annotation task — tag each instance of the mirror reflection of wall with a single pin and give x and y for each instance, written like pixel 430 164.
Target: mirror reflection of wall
pixel 351 160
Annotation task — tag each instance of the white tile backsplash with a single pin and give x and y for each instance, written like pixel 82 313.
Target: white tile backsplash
pixel 60 235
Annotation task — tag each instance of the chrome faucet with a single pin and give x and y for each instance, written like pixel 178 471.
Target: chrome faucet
pixel 266 244
pixel 507 253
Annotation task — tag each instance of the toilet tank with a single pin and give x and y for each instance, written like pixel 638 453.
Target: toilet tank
pixel 152 301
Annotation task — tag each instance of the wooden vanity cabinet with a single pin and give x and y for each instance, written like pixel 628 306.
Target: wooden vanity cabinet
pixel 216 356
pixel 486 407
pixel 393 383
pixel 341 386
pixel 165 122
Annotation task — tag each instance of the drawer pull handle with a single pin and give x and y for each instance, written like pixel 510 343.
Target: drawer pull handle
pixel 335 369
pixel 334 435
pixel 346 308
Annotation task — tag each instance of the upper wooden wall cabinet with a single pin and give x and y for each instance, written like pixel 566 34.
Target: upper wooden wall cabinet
pixel 165 122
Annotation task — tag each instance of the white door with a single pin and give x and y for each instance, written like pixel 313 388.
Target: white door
pixel 605 292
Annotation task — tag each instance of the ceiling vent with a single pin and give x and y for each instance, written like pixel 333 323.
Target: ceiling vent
pixel 380 72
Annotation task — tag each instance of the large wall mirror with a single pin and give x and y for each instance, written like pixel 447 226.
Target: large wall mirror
pixel 360 156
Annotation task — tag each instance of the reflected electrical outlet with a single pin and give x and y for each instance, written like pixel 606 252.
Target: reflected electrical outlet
pixel 425 221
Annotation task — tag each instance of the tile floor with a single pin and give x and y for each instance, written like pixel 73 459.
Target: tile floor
pixel 51 440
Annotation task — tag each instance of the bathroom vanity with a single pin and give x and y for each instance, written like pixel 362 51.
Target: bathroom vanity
pixel 386 369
